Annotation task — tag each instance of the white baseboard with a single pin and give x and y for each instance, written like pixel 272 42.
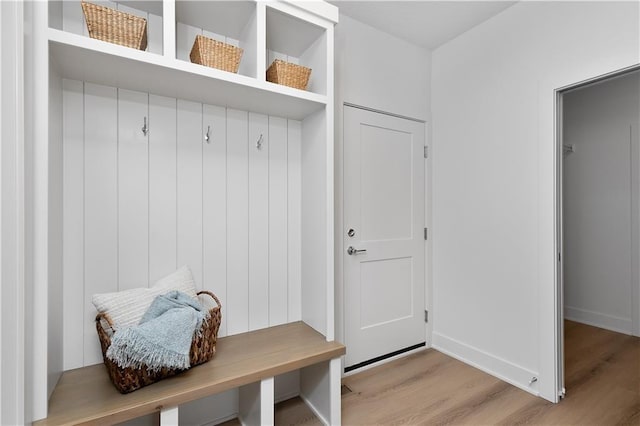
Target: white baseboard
pixel 314 409
pixel 502 369
pixel 597 319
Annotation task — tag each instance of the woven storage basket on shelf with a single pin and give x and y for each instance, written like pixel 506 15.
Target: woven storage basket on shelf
pixel 114 26
pixel 289 74
pixel 203 347
pixel 215 54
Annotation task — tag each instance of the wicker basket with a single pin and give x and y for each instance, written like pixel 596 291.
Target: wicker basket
pixel 289 74
pixel 126 380
pixel 114 26
pixel 215 54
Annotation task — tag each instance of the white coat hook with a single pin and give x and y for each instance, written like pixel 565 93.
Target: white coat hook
pixel 145 129
pixel 206 135
pixel 259 142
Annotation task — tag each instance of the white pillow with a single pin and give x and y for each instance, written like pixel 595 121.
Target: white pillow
pixel 126 308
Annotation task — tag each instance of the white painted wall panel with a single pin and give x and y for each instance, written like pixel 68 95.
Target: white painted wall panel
pixel 278 209
pixel 137 207
pixel 258 148
pixel 214 207
pixel 133 190
pixel 294 220
pixel 237 222
pixel 154 34
pixel 73 18
pixel 314 219
pixel 73 222
pixel 55 308
pixel 162 187
pixel 493 175
pixel 400 84
pixel 101 205
pixel 189 187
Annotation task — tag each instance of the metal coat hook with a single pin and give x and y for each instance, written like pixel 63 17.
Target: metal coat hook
pixel 206 135
pixel 259 142
pixel 145 129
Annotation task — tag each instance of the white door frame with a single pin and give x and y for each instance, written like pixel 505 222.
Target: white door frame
pixel 558 149
pixel 340 225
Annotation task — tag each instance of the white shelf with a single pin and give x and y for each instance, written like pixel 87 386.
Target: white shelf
pixel 82 58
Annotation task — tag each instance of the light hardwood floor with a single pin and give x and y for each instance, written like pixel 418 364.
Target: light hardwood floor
pixel 602 382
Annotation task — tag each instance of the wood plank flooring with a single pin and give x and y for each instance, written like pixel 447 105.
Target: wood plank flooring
pixel 602 382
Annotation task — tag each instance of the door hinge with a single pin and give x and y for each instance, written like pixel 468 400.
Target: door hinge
pixel 559 257
pixel 426 233
pixel 426 316
pixel 426 152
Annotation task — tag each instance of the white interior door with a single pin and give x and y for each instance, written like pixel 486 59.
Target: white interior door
pixel 384 235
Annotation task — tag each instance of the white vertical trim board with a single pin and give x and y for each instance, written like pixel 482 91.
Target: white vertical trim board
pixel 294 220
pixel 133 190
pixel 189 185
pixel 73 221
pixel 101 205
pixel 314 224
pixel 259 255
pixel 278 220
pixel 237 222
pixel 162 186
pixel 12 219
pixel 214 204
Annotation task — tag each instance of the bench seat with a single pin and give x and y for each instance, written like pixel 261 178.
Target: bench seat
pixel 86 395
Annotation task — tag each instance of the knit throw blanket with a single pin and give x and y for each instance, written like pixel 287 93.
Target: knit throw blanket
pixel 163 336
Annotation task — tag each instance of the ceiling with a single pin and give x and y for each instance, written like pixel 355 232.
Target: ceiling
pixel 426 23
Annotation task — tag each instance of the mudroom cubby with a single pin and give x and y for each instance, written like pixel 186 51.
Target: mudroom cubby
pixel 67 16
pixel 231 22
pixel 150 162
pixel 298 41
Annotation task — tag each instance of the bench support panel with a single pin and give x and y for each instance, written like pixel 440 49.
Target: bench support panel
pixel 257 403
pixel 320 389
pixel 169 416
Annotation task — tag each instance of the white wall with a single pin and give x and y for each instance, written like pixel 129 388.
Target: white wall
pixel 598 182
pixel 493 177
pixel 379 71
pixel 11 217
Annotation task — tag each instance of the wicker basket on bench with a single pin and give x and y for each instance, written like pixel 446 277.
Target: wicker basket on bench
pixel 116 27
pixel 203 347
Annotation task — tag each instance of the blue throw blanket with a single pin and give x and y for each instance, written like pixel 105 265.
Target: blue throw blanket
pixel 163 336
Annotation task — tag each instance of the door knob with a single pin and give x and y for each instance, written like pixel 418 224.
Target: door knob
pixel 351 251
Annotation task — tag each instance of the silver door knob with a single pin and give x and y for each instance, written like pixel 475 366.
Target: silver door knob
pixel 351 251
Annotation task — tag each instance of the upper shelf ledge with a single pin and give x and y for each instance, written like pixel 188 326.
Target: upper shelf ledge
pixel 81 58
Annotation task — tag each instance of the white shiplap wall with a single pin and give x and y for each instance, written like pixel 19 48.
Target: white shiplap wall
pixel 138 206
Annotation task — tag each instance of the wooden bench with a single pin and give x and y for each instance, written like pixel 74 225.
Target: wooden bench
pixel 248 361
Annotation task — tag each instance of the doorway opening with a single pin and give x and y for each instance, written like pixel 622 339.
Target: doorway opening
pixel 598 232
